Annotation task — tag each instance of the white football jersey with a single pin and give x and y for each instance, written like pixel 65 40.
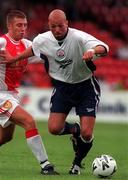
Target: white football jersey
pixel 65 61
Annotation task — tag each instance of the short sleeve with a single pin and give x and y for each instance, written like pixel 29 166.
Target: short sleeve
pixel 36 46
pixel 3 43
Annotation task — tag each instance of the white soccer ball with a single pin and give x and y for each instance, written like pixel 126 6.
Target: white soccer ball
pixel 104 166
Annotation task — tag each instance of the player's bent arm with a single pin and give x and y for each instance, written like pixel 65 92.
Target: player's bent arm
pixel 25 54
pixel 101 50
pixel 8 59
pixel 98 50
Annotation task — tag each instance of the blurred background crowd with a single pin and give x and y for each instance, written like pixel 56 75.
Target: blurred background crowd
pixel 105 19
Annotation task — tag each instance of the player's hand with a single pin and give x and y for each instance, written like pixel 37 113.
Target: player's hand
pixel 5 57
pixel 88 55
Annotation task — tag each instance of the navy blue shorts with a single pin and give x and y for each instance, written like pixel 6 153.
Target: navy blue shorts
pixel 84 96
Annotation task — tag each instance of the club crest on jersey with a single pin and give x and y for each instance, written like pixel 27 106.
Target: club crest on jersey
pixel 60 53
pixel 61 59
pixel 7 104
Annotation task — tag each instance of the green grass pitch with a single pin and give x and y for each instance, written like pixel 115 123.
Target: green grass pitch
pixel 18 163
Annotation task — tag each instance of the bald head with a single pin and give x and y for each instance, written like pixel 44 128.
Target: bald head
pixel 57 13
pixel 58 24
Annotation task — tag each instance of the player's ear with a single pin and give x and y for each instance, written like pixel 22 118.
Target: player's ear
pixel 8 26
pixel 67 22
pixel 49 24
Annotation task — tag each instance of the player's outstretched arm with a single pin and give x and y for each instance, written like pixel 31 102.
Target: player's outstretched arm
pixel 6 58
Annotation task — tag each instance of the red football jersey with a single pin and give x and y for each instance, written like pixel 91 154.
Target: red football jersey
pixel 11 74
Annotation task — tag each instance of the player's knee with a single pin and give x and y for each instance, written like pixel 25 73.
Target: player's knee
pixel 86 134
pixel 54 129
pixel 29 123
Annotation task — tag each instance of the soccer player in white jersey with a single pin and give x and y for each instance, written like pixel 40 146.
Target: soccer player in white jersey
pixel 69 54
pixel 11 113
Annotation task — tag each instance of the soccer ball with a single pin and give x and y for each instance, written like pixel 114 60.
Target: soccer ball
pixel 104 166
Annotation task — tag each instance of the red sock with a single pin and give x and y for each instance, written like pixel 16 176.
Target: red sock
pixel 31 133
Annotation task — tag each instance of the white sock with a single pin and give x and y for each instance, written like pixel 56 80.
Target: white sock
pixel 37 147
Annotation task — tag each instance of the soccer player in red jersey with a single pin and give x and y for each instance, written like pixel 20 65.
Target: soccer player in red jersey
pixel 11 113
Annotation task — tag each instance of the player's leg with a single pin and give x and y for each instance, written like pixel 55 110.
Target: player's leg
pixel 83 143
pixel 58 126
pixel 34 141
pixel 6 134
pixel 56 122
pixel 60 107
pixel 89 93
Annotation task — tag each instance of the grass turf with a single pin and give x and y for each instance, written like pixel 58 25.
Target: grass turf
pixel 18 163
